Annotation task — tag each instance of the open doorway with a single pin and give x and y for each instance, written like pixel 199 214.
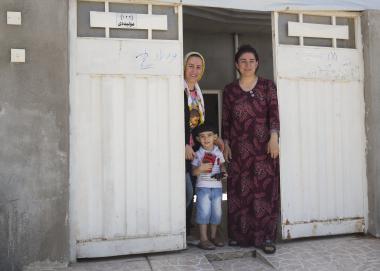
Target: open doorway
pixel 319 76
pixel 217 33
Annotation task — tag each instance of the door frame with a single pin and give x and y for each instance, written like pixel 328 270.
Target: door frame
pixel 72 73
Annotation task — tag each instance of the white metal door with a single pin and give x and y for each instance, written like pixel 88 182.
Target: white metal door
pixel 319 74
pixel 127 158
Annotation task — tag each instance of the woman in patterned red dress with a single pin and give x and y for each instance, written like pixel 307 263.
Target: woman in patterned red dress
pixel 250 131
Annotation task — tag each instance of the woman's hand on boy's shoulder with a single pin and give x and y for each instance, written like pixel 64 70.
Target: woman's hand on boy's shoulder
pixel 189 152
pixel 219 142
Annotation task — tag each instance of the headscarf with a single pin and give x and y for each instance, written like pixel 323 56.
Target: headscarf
pixel 190 54
pixel 197 88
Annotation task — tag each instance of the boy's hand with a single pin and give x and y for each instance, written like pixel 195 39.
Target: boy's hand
pixel 220 176
pixel 225 175
pixel 205 167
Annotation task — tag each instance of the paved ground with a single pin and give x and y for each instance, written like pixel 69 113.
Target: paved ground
pixel 336 253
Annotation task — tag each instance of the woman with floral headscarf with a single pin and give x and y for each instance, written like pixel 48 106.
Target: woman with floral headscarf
pixel 194 66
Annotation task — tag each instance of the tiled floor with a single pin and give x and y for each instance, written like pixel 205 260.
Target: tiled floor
pixel 335 253
pixel 245 264
pixel 339 253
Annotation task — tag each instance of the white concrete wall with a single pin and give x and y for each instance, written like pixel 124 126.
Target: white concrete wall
pixel 34 139
pixel 371 41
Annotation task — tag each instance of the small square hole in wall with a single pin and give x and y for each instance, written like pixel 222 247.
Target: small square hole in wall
pixel 17 55
pixel 13 18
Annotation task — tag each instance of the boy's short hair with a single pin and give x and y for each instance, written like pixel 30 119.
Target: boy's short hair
pixel 205 127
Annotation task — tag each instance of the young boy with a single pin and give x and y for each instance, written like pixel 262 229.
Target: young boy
pixel 208 166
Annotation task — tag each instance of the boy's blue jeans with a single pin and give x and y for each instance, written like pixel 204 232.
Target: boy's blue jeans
pixel 209 205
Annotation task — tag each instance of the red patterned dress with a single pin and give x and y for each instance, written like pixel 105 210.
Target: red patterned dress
pixel 253 176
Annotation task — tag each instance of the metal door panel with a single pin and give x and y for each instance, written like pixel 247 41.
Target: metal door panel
pixel 127 167
pixel 321 102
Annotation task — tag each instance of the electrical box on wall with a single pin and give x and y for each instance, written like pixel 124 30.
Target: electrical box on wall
pixel 17 55
pixel 13 17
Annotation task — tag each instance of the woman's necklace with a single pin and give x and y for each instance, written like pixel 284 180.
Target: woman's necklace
pixel 248 86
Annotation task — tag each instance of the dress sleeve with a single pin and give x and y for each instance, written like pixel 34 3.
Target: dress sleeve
pixel 274 120
pixel 226 116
